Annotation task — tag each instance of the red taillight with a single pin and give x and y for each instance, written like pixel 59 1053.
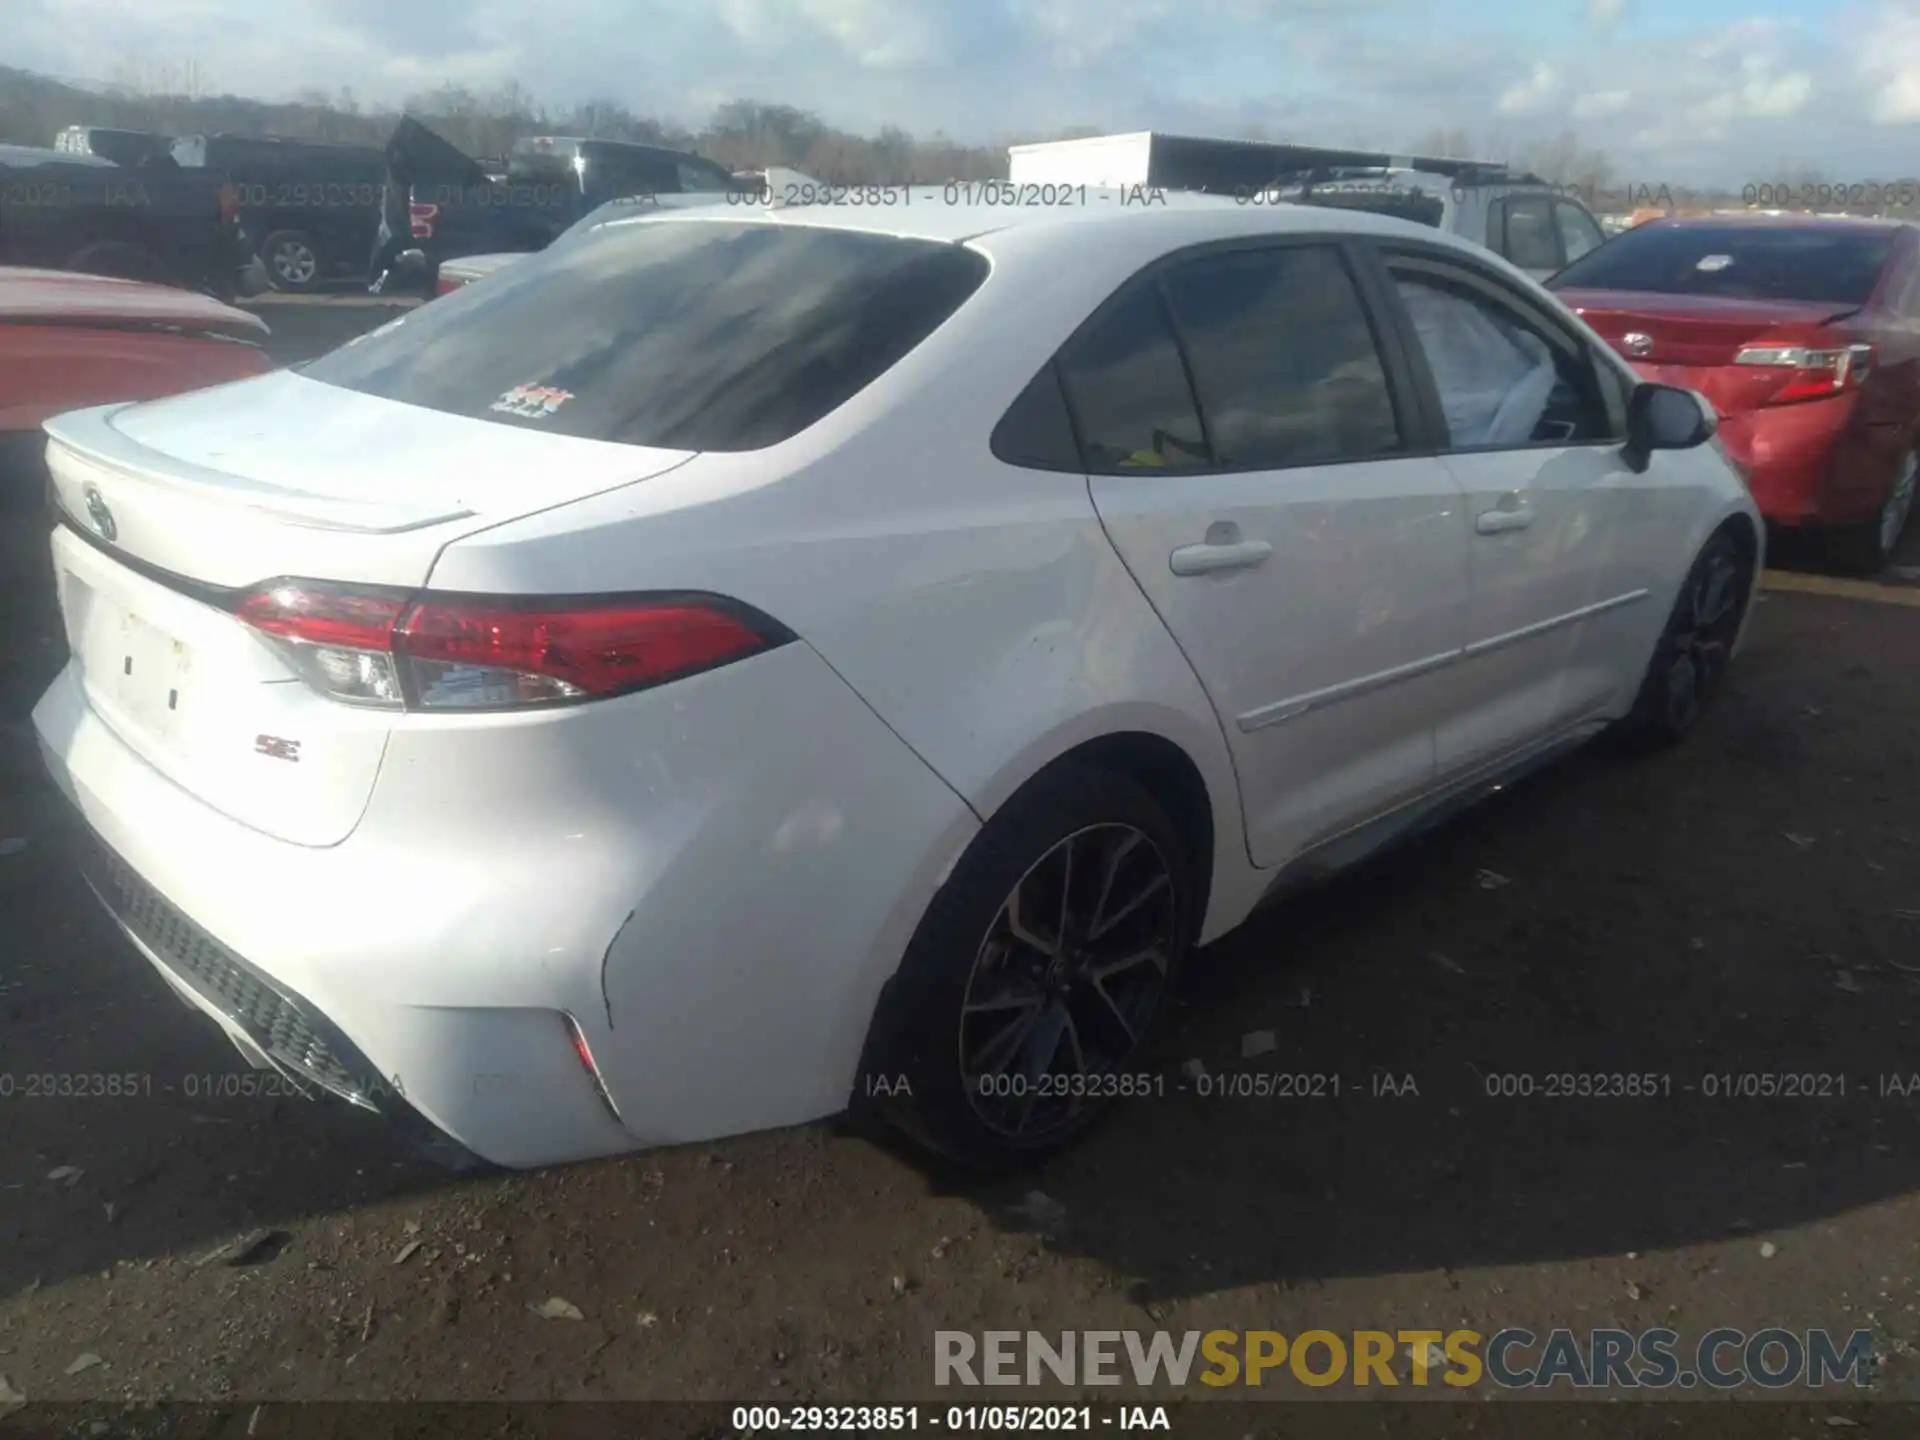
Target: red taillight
pixel 420 218
pixel 324 615
pixel 598 651
pixel 444 286
pixel 229 204
pixel 1810 374
pixel 479 653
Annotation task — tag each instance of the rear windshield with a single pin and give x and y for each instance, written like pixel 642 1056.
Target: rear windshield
pixel 1737 262
pixel 1401 204
pixel 686 334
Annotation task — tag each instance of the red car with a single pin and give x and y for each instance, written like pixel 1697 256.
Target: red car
pixel 68 341
pixel 1804 332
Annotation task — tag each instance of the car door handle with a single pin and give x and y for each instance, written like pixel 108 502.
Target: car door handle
pixel 1212 559
pixel 1498 522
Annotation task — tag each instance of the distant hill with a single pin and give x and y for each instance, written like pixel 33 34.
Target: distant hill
pixel 741 133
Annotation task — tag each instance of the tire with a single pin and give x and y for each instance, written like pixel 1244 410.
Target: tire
pixel 295 265
pixel 967 967
pixel 1866 549
pixel 1690 661
pixel 119 260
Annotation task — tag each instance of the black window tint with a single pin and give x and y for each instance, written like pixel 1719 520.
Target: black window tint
pixel 1283 358
pixel 1129 392
pixel 1827 265
pixel 1501 382
pixel 1530 240
pixel 688 334
pixel 1579 233
pixel 1036 431
pixel 616 174
pixel 696 177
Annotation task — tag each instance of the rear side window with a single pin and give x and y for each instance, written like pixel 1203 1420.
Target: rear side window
pixel 1826 265
pixel 1283 358
pixel 1128 387
pixel 685 334
pixel 1036 432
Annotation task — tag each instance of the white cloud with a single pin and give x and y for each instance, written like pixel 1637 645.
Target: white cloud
pixel 1890 63
pixel 1607 14
pixel 1532 95
pixel 1600 104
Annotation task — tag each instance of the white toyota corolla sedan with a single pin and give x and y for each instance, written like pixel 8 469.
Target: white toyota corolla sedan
pixel 748 664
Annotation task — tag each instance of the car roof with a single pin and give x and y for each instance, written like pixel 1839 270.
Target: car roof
pixel 1184 217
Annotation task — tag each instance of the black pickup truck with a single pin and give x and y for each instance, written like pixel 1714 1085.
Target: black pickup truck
pixel 444 204
pixel 65 211
pixel 310 208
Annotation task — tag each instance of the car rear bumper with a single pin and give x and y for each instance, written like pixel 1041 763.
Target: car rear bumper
pixel 714 903
pixel 1813 464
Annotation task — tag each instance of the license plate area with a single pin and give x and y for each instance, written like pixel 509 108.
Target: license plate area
pixel 136 667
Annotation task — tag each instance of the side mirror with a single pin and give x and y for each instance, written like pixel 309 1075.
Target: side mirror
pixel 1665 417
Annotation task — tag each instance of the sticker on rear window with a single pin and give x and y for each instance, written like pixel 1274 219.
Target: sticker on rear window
pixel 531 402
pixel 1714 262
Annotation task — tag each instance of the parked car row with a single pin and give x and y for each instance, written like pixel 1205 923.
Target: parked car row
pixel 317 214
pixel 1804 332
pixel 443 207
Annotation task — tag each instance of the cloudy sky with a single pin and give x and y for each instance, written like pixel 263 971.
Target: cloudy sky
pixel 1673 89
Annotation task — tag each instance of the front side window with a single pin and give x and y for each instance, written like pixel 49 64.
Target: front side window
pixel 1128 389
pixel 687 334
pixel 1283 358
pixel 1501 383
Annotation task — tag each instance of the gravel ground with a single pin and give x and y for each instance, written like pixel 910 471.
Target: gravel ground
pixel 1747 904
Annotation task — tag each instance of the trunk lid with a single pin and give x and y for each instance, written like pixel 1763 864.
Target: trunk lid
pixel 282 475
pixel 1691 340
pixel 178 505
pixel 61 297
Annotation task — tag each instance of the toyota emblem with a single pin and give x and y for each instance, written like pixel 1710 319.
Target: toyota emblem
pixel 100 515
pixel 1637 344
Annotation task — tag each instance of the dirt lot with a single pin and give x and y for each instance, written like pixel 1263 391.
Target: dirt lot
pixel 1748 904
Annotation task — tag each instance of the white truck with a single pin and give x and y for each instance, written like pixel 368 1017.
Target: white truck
pixel 1537 226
